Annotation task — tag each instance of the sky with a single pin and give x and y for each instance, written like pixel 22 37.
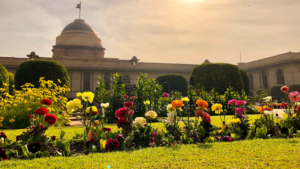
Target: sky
pixel 166 31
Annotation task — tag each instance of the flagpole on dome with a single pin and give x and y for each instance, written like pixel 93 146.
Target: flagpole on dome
pixel 79 6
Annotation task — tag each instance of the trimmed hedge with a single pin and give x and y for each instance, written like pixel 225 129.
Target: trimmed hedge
pixel 176 82
pixel 4 78
pixel 246 81
pixel 276 92
pixel 259 91
pixel 31 71
pixel 295 87
pixel 218 76
pixel 11 82
pixel 165 87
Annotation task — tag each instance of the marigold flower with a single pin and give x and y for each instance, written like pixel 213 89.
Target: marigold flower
pixel 202 104
pixel 177 104
pixel 151 114
pixel 217 108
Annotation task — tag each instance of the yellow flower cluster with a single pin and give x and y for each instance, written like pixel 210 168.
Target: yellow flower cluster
pixel 29 95
pixel 235 121
pixel 86 96
pixel 73 105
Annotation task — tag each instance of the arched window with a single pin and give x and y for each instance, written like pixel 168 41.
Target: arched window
pixel 126 79
pixel 251 82
pixel 280 76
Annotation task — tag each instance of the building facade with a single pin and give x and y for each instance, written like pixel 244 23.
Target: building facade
pixel 280 69
pixel 80 50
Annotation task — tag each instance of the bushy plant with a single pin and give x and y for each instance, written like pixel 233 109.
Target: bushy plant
pixel 295 87
pixel 259 91
pixel 165 87
pixel 15 108
pixel 11 83
pixel 276 92
pixel 30 72
pixel 218 76
pixel 176 82
pixel 4 78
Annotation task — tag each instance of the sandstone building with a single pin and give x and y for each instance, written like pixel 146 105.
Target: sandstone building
pixel 279 69
pixel 80 50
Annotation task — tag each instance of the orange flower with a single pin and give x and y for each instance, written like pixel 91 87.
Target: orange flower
pixel 177 104
pixel 202 104
pixel 91 135
pixel 261 109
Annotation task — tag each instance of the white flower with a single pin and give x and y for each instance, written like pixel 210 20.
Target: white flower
pixel 278 116
pixel 105 105
pixel 268 112
pixel 140 121
pixel 279 111
pixel 268 99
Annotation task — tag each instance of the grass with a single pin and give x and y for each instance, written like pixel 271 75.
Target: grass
pixel 271 153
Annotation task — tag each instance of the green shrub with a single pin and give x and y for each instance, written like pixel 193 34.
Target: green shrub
pixel 246 81
pixel 4 78
pixel 259 91
pixel 176 82
pixel 276 92
pixel 165 87
pixel 11 82
pixel 31 71
pixel 295 87
pixel 218 76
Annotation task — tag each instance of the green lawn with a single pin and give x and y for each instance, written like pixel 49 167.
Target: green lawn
pixel 271 153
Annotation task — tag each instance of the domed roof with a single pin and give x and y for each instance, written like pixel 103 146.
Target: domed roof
pixel 79 24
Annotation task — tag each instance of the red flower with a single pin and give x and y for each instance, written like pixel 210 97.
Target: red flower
pixel 2 135
pixel 3 155
pixel 120 137
pixel 41 111
pixel 106 129
pixel 19 137
pixel 93 139
pixel 198 113
pixel 50 119
pixel 283 105
pixel 53 137
pixel 46 102
pixel 284 89
pixel 128 104
pixel 112 144
pixel 121 113
pixel 34 147
pixel 133 97
pixel 120 121
pixel 126 97
pixel 29 115
pixel 298 108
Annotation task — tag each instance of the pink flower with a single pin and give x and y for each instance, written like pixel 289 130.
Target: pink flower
pixel 294 96
pixel 241 103
pixel 232 102
pixel 298 108
pixel 240 112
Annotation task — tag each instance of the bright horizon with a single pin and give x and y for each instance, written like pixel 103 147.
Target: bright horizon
pixel 169 31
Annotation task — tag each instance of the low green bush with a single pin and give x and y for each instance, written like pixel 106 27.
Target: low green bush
pixel 246 81
pixel 176 82
pixel 295 87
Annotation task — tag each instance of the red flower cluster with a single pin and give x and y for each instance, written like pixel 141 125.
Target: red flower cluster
pixel 201 114
pixel 128 104
pixel 283 105
pixel 46 102
pixel 50 119
pixel 112 144
pixel 19 137
pixel 41 111
pixel 133 97
pixel 120 122
pixel 126 97
pixel 106 129
pixel 3 155
pixel 121 113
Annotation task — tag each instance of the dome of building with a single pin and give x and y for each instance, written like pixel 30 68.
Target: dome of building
pixel 78 25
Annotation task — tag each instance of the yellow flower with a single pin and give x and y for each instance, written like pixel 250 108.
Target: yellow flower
pixel 170 108
pixel 59 81
pixel 235 121
pixel 294 115
pixel 102 145
pixel 78 94
pixel 147 102
pixel 4 84
pixel 220 131
pixel 151 114
pixel 88 96
pixel 1 119
pixel 217 108
pixel 11 120
pixel 1 124
pixel 185 99
pixel 88 110
pixel 224 126
pixel 140 121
